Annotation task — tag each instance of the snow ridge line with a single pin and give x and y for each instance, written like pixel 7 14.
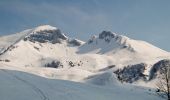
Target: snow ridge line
pixel 34 87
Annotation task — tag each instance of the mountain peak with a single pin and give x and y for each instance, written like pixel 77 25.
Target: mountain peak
pixel 108 42
pixel 107 34
pixel 46 33
pixel 44 28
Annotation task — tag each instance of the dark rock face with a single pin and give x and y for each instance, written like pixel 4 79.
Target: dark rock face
pixel 52 36
pixel 131 73
pixel 54 64
pixel 105 34
pixel 108 67
pixel 75 42
pixel 159 67
pixel 91 40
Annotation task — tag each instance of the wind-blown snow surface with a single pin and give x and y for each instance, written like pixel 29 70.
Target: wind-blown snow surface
pixel 91 63
pixel 17 85
pixel 6 41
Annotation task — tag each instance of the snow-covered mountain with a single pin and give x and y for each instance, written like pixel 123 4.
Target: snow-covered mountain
pixel 102 60
pixel 47 46
pixel 109 43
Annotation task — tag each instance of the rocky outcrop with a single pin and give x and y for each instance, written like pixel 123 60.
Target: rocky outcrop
pixel 75 42
pixel 107 36
pixel 159 68
pixel 131 73
pixel 42 36
pixel 54 64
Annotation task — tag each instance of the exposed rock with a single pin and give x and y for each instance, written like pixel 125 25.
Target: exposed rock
pixel 36 48
pixel 91 40
pixel 131 73
pixel 54 64
pixel 75 42
pixel 106 34
pixel 159 68
pixel 52 36
pixel 71 64
pixel 107 68
pixel 5 60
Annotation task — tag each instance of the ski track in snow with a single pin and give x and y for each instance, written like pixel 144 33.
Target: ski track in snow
pixel 42 95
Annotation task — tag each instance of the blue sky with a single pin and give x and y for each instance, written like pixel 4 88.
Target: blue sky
pixel 147 20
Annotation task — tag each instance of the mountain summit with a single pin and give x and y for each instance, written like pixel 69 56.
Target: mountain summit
pixel 44 28
pixel 46 33
pixel 110 43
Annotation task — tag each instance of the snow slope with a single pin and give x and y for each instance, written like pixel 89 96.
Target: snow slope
pixel 6 41
pixel 33 87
